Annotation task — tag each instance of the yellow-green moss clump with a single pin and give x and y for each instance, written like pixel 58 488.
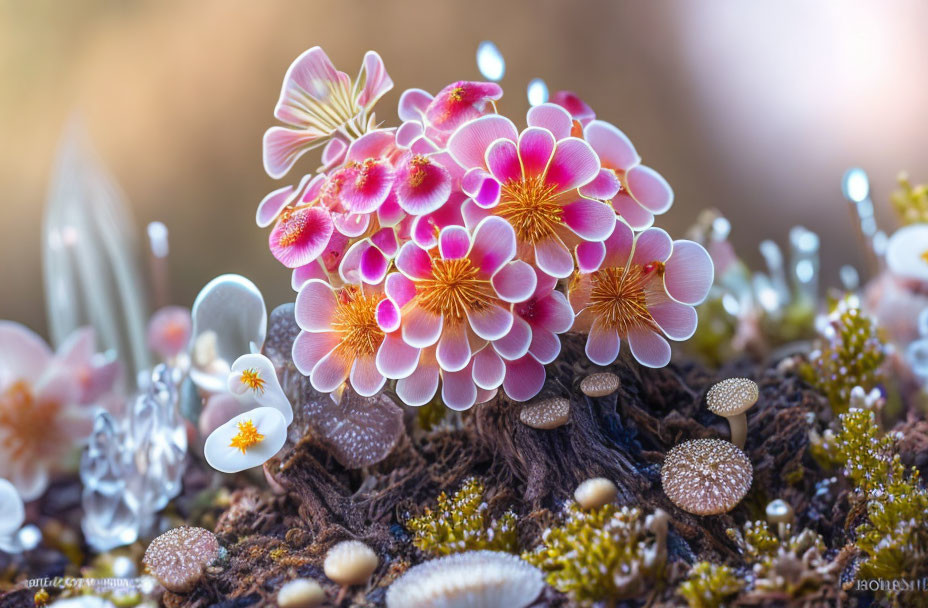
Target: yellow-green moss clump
pixel 894 536
pixel 603 554
pixel 850 354
pixel 911 203
pixel 709 585
pixel 462 523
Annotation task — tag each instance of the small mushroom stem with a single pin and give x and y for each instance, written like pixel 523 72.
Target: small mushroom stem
pixel 341 595
pixel 782 529
pixel 739 429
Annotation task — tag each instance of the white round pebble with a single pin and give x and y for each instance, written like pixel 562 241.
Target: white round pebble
pixel 350 562
pixel 596 492
pixel 300 593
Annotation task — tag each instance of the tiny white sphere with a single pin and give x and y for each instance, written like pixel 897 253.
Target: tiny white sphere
pixel 300 593
pixel 350 562
pixel 596 492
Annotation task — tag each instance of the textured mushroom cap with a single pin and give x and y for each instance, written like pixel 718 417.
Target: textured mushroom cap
pixel 546 414
pixel 300 593
pixel 350 562
pixel 779 511
pixel 599 385
pixel 178 557
pixel 706 476
pixel 476 579
pixel 732 396
pixel 595 492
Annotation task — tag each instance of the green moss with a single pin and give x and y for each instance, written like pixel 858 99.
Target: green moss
pixel 709 585
pixel 462 523
pixel 603 554
pixel 850 354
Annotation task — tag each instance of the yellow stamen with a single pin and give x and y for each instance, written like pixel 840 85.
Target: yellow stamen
pixel 456 94
pixel 293 223
pixel 355 318
pixel 247 436
pixel 454 289
pixel 925 256
pixel 618 297
pixel 532 208
pixel 253 380
pixel 417 175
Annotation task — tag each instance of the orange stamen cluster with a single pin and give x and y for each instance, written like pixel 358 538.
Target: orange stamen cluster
pixel 417 175
pixel 29 426
pixel 247 436
pixel 924 256
pixel 532 207
pixel 618 297
pixel 454 289
pixel 253 380
pixel 356 319
pixel 294 223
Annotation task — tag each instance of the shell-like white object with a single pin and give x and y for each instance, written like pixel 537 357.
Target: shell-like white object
pixel 269 394
pixel 12 510
pixel 223 457
pixel 229 320
pixel 475 579
pixel 907 252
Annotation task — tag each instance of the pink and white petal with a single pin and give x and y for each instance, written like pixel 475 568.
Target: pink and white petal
pixel 422 185
pixel 525 378
pixel 591 220
pixel 419 387
pixel 371 145
pixel 395 358
pixel 619 245
pixel 489 369
pixel 385 240
pixel 365 378
pixel 408 132
pixel 554 313
pixel 652 245
pixel 649 348
pixel 632 211
pixel 413 103
pixel 677 321
pixel 282 147
pixel 574 164
pixel 331 256
pixel 272 204
pixel 399 288
pixel 300 237
pixel 578 109
pixel 553 257
pixel 315 306
pixel 550 117
pixel 453 351
pixel 689 272
pixel 590 255
pixel 473 214
pixel 78 348
pixel 331 371
pixel 545 283
pixel 414 262
pixel 649 188
pixel 309 348
pixel 515 343
pixel 333 153
pixel 349 269
pixel 602 344
pixel 536 147
pixel 453 242
pixel 493 245
pixel 515 281
pixel 482 187
pixel 169 331
pixel 603 187
pixel 311 76
pixel 351 225
pixel 459 102
pixel 373 266
pixel 502 158
pixel 484 395
pixel 389 213
pixel 613 146
pixel 388 315
pixel 458 390
pixel 300 275
pixel 365 186
pixel 545 346
pixel 421 328
pixel 469 143
pixel 373 79
pixel 491 322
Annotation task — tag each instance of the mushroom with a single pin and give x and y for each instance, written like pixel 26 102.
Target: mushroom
pixel 706 476
pixel 731 398
pixel 546 414
pixel 179 557
pixel 300 593
pixel 599 385
pixel 349 563
pixel 595 492
pixel 781 513
pixel 476 578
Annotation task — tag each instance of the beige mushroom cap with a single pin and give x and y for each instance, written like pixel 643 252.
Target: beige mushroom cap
pixel 350 562
pixel 599 384
pixel 179 557
pixel 706 476
pixel 546 414
pixel 732 396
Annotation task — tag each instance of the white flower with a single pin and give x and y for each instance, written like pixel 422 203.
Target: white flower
pixel 253 381
pixel 248 440
pixel 907 252
pixel 12 516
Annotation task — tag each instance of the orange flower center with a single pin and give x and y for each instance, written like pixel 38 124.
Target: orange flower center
pixel 455 288
pixel 925 256
pixel 247 436
pixel 532 207
pixel 356 319
pixel 417 175
pixel 253 380
pixel 29 427
pixel 618 296
pixel 293 223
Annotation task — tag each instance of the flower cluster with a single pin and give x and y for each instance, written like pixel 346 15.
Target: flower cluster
pixel 452 250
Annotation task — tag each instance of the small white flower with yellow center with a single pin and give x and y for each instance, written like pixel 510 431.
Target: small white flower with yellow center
pixel 248 440
pixel 12 516
pixel 253 381
pixel 907 253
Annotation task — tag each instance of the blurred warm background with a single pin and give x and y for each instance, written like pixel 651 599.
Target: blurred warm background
pixel 756 108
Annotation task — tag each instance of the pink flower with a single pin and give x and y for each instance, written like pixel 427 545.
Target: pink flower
pixel 44 400
pixel 531 180
pixel 435 118
pixel 456 299
pixel 169 331
pixel 320 102
pixel 645 289
pixel 579 110
pixel 343 331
